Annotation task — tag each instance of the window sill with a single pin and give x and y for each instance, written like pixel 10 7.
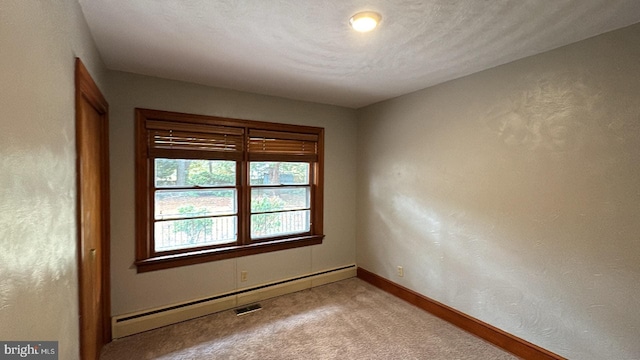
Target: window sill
pixel 202 256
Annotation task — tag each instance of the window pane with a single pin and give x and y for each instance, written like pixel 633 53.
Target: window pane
pixel 273 199
pixel 181 172
pixel 279 173
pixel 283 223
pixel 183 234
pixel 191 203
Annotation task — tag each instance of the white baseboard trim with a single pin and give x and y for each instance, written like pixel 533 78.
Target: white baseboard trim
pixel 133 323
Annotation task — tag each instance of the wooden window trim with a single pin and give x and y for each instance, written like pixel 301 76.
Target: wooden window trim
pixel 150 120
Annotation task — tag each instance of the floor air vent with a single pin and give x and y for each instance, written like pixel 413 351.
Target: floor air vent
pixel 248 309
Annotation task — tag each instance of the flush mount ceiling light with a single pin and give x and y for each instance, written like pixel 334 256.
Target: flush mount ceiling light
pixel 365 21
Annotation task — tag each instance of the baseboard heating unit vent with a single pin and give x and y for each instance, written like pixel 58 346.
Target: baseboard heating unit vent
pixel 133 323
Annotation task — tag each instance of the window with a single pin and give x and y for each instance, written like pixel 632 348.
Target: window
pixel 210 188
pixel 280 198
pixel 195 203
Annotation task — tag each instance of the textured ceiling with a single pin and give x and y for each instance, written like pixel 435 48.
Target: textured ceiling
pixel 304 49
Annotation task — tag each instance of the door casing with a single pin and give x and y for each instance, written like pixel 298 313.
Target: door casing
pixel 92 166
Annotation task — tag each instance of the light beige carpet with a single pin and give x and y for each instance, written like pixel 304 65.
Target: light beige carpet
pixel 349 319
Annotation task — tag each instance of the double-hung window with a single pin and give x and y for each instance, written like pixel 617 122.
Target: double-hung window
pixel 210 188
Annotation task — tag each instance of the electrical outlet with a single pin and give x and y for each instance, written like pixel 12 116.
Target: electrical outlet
pixel 400 271
pixel 243 275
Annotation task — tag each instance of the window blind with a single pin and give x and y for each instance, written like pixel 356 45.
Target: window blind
pixel 190 141
pixel 266 145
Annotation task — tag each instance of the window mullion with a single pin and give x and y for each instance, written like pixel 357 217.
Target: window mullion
pixel 244 237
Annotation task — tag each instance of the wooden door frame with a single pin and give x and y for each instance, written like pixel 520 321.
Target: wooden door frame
pixel 87 89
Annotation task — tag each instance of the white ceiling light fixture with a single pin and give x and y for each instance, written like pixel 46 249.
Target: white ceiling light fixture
pixel 365 21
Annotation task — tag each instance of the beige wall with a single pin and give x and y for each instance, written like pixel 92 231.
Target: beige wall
pixel 513 195
pixel 39 41
pixel 132 291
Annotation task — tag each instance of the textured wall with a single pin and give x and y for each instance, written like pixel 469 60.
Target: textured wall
pixel 513 195
pixel 132 291
pixel 38 279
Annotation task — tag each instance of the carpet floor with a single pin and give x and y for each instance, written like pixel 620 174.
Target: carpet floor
pixel 349 319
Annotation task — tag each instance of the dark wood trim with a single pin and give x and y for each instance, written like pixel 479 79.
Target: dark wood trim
pixel 244 200
pixel 492 334
pixel 198 257
pixel 86 88
pixel 222 121
pixel 318 188
pixel 142 206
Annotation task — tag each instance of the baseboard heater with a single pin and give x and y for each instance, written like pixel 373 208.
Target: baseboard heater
pixel 133 323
